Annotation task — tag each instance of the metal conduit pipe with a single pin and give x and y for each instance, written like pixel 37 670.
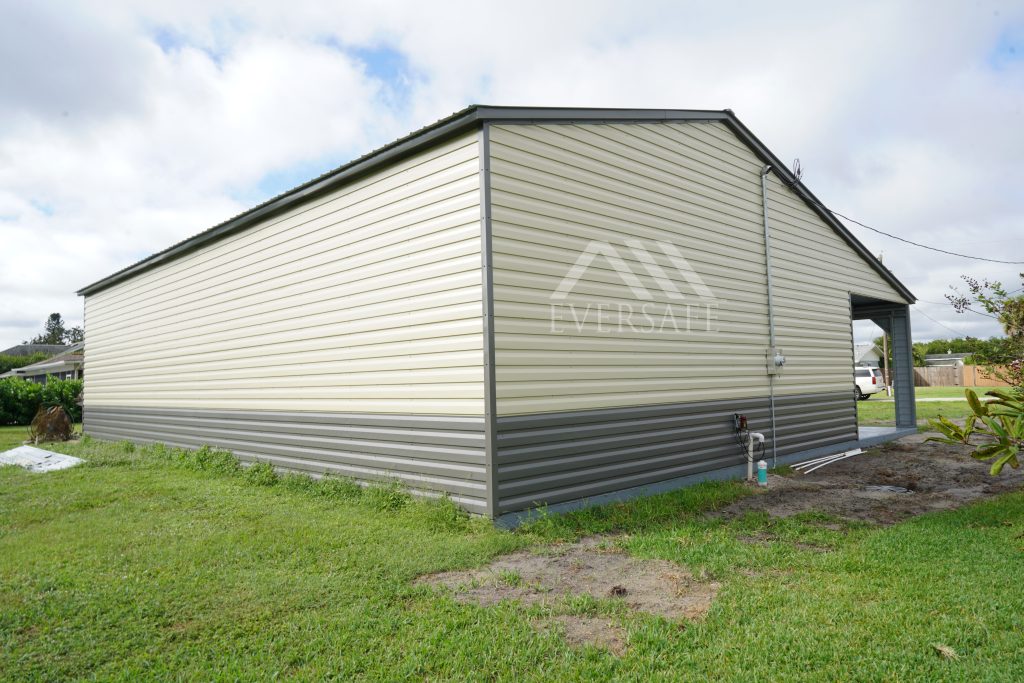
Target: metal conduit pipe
pixel 772 355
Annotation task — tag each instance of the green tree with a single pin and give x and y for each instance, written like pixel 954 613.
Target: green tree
pixel 1008 309
pixel 55 332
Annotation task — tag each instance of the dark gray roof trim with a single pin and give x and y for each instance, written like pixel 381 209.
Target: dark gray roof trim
pixel 468 119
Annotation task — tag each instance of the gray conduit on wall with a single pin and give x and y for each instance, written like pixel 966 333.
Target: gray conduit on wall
pixel 770 356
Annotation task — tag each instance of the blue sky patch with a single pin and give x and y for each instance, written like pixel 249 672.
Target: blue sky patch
pixel 171 40
pixel 42 207
pixel 1009 49
pixel 383 63
pixel 281 180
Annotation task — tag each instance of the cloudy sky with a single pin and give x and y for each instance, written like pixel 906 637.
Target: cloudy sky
pixel 126 127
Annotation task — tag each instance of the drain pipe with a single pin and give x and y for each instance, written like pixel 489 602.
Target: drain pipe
pixel 775 360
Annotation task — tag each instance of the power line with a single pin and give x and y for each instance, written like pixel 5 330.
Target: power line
pixel 940 324
pixel 969 310
pixel 917 244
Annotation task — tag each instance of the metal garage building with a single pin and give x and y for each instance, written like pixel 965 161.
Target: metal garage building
pixel 515 306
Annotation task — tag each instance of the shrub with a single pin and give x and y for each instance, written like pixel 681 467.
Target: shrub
pixel 64 393
pixel 1000 421
pixel 19 400
pixel 9 362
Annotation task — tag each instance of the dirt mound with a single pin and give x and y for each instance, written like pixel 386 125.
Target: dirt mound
pixel 884 485
pixel 592 567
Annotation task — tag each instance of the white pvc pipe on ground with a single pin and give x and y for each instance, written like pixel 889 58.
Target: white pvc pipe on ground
pixel 849 454
pixel 807 463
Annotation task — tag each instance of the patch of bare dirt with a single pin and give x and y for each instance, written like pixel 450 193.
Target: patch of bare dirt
pixel 589 567
pixel 578 631
pixel 885 485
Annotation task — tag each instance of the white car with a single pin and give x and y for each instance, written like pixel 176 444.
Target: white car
pixel 867 381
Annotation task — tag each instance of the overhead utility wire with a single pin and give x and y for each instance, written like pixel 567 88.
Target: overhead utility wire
pixel 916 244
pixel 969 310
pixel 918 310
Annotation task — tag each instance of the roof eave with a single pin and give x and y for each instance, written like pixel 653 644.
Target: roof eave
pixel 453 125
pixel 816 205
pixel 469 118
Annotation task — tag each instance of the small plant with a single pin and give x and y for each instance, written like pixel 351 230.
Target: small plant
pixel 392 496
pixel 510 578
pixel 337 488
pixel 444 514
pixel 1001 421
pixel 206 459
pixel 261 474
pixel 299 483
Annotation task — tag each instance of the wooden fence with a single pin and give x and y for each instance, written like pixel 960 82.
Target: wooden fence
pixel 949 376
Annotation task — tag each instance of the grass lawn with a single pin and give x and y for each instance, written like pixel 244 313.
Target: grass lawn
pixel 872 412
pixel 12 437
pixel 156 564
pixel 945 392
pixel 881 410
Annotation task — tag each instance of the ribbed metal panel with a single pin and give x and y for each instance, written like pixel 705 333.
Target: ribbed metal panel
pixel 696 186
pixel 557 457
pixel 436 454
pixel 366 298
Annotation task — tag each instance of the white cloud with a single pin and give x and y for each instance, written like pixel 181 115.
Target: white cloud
pixel 125 128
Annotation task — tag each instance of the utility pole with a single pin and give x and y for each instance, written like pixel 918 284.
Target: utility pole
pixel 885 357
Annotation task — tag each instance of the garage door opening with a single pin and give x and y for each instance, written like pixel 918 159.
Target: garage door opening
pixel 886 381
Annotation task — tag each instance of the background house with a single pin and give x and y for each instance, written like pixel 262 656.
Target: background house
pixel 955 360
pixel 69 364
pixel 29 349
pixel 867 355
pixel 514 307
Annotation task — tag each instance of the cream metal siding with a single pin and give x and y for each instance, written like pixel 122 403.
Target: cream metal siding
pixel 694 185
pixel 555 188
pixel 814 271
pixel 365 300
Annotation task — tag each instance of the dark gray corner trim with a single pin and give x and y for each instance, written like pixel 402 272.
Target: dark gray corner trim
pixel 467 119
pixel 487 272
